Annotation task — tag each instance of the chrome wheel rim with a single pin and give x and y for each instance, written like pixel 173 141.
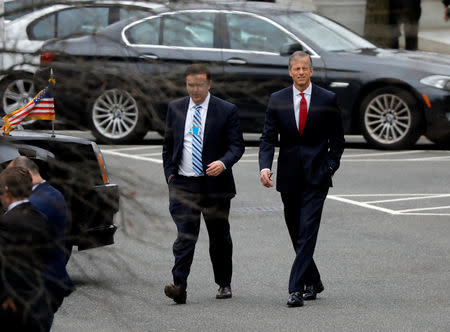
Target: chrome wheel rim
pixel 17 94
pixel 387 119
pixel 115 114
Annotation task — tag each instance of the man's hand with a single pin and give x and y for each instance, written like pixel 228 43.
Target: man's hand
pixel 9 303
pixel 266 178
pixel 215 168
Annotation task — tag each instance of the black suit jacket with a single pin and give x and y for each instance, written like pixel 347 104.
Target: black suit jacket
pixel 24 239
pixel 312 157
pixel 222 140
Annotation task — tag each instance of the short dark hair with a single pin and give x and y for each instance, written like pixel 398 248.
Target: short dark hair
pixel 26 163
pixel 197 68
pixel 18 180
pixel 300 54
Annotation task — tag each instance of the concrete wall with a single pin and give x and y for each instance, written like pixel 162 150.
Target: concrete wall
pixel 351 13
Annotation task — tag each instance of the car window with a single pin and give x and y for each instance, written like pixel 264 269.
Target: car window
pixel 327 34
pixel 255 34
pixel 189 29
pixel 15 9
pixel 131 12
pixel 144 33
pixel 81 20
pixel 44 28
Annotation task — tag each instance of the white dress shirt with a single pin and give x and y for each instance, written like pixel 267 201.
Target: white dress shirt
pixel 185 167
pixel 298 97
pixel 14 204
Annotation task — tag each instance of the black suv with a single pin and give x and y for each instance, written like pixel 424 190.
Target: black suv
pixel 76 167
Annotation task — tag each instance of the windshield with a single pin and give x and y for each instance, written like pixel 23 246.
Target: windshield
pixel 327 34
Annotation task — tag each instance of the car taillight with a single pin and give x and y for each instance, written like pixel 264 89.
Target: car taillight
pixel 47 57
pixel 101 162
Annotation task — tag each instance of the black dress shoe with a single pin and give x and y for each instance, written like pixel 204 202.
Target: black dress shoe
pixel 224 293
pixel 295 300
pixel 176 293
pixel 311 291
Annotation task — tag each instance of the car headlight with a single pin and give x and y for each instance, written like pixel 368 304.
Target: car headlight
pixel 437 81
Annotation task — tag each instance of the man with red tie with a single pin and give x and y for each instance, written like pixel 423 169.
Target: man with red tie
pixel 311 139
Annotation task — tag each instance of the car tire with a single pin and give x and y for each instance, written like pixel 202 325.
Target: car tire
pixel 391 118
pixel 441 142
pixel 16 91
pixel 116 117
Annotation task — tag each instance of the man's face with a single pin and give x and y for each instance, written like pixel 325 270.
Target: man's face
pixel 198 87
pixel 301 72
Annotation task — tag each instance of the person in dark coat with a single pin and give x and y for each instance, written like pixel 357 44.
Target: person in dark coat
pixel 404 13
pixel 52 204
pixel 24 238
pixel 202 142
pixel 307 121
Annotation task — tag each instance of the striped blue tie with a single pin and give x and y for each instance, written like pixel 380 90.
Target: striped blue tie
pixel 197 142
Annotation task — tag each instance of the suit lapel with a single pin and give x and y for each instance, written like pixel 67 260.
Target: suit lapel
pixel 183 114
pixel 290 108
pixel 209 117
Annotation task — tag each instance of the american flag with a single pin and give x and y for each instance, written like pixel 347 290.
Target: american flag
pixel 41 107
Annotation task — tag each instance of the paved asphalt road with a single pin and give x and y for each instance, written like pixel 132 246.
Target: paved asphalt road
pixel 383 251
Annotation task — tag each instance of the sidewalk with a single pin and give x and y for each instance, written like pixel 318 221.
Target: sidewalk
pixel 434 32
pixel 435 40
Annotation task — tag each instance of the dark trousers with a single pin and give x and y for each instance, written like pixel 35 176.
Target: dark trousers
pixel 186 207
pixel 302 212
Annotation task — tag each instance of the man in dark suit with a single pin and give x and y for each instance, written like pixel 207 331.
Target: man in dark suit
pixel 24 235
pixel 203 140
pixel 406 13
pixel 49 201
pixel 308 122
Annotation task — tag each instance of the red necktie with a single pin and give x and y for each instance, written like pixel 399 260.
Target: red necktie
pixel 303 114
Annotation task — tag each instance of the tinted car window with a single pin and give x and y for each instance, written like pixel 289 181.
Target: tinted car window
pixel 44 28
pixel 255 34
pixel 329 35
pixel 146 33
pixel 81 20
pixel 189 30
pixel 130 12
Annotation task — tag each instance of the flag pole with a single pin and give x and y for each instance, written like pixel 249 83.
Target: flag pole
pixel 52 83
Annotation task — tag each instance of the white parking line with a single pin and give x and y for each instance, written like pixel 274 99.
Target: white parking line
pixel 426 209
pixel 382 154
pixel 408 198
pixel 394 160
pixel 360 204
pixel 151 154
pixel 409 212
pixel 146 147
pixel 119 154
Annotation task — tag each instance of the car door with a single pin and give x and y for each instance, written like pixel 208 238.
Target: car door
pixel 164 45
pixel 253 66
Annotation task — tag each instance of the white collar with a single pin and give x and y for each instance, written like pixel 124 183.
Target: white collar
pixel 307 91
pixel 37 184
pixel 204 105
pixel 14 204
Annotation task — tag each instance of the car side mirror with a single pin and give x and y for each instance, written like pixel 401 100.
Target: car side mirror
pixel 289 48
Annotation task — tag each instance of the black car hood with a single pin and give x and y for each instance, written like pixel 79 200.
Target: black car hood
pixel 419 60
pixel 419 56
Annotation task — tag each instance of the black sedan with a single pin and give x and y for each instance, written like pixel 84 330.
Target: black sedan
pixel 76 167
pixel 118 82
